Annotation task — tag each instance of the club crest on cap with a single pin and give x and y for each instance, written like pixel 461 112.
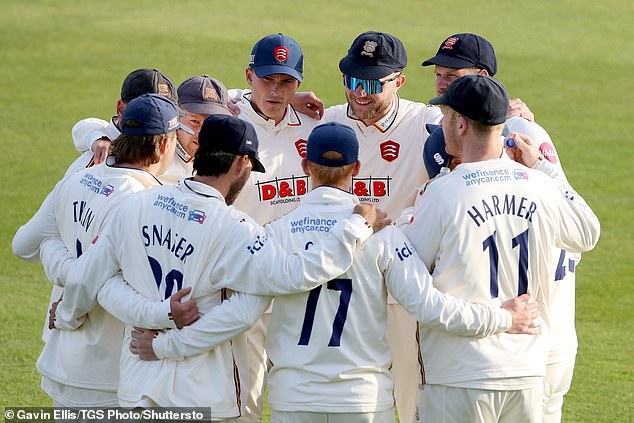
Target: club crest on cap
pixel 449 43
pixel 369 47
pixel 280 53
pixel 210 93
pixel 164 90
pixel 390 150
pixel 300 145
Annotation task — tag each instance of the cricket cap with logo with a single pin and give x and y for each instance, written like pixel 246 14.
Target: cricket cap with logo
pixel 464 51
pixel 374 55
pixel 147 81
pixel 477 97
pixel 332 136
pixel 229 134
pixel 277 54
pixel 203 95
pixel 435 156
pixel 150 114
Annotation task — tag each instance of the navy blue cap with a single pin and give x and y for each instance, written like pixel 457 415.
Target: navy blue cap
pixel 464 51
pixel 229 134
pixel 275 54
pixel 435 155
pixel 147 81
pixel 477 97
pixel 332 136
pixel 374 55
pixel 150 114
pixel 203 95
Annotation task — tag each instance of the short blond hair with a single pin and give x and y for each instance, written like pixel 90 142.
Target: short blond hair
pixel 330 175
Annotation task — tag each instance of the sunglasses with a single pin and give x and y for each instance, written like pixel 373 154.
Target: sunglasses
pixel 370 86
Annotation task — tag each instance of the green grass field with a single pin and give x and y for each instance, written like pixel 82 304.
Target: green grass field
pixel 571 61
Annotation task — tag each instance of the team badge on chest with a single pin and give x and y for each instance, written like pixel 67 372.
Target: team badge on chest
pixel 390 150
pixel 300 145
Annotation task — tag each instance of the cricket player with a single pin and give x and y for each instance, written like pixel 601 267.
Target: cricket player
pixel 274 74
pixel 466 53
pixel 80 368
pixel 189 236
pixel 318 363
pixel 499 228
pixel 198 97
pixel 92 136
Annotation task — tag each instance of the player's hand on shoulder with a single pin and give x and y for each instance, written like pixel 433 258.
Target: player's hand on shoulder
pixel 376 218
pixel 141 343
pixel 309 104
pixel 184 313
pixel 526 315
pixel 101 149
pixel 518 108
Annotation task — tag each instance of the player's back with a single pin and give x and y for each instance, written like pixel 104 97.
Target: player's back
pixel 495 241
pixel 173 238
pixel 328 345
pixel 88 356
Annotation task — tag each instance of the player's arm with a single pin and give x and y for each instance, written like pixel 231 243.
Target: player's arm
pixel 426 237
pixel 410 284
pixel 87 131
pixel 309 104
pixel 219 325
pixel 26 241
pixel 86 276
pixel 121 300
pixel 579 227
pixel 268 269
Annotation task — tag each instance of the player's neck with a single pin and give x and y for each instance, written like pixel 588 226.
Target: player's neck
pixel 474 150
pixel 221 183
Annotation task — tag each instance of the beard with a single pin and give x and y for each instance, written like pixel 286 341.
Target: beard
pixel 377 111
pixel 236 187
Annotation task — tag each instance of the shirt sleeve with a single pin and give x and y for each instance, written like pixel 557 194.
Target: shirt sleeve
pixel 410 283
pixel 86 277
pixel 578 227
pixel 26 241
pixel 254 262
pixel 214 328
pixel 87 131
pixel 118 298
pixel 425 228
pixel 56 260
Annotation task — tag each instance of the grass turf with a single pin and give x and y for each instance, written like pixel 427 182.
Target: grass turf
pixel 570 61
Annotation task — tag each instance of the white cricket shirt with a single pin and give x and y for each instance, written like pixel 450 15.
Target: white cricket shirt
pixel 489 230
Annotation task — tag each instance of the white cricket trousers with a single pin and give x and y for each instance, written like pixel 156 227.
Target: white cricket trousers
pixel 446 404
pixel 401 336
pixel 557 384
pixel 308 417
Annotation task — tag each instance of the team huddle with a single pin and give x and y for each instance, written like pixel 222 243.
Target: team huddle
pixel 209 245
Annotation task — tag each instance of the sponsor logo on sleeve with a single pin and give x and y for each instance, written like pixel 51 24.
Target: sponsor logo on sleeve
pixel 549 152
